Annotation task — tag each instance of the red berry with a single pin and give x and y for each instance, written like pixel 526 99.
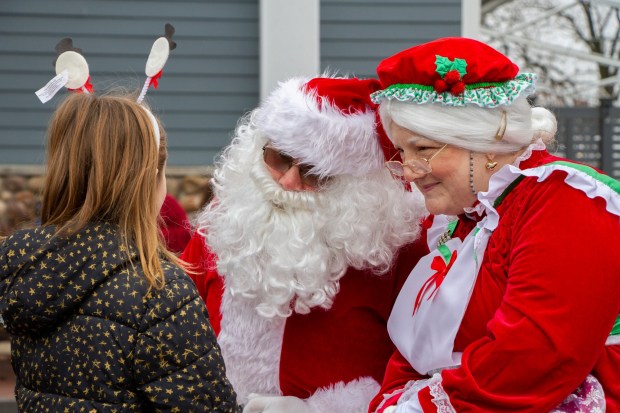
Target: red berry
pixel 452 77
pixel 457 88
pixel 440 86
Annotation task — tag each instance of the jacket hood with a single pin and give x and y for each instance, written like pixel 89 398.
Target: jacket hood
pixel 46 277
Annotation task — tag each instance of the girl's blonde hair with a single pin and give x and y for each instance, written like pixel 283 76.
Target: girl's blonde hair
pixel 104 165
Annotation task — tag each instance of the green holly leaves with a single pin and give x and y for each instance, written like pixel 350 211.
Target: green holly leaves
pixel 444 65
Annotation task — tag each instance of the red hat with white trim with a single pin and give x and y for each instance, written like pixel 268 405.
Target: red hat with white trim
pixel 327 122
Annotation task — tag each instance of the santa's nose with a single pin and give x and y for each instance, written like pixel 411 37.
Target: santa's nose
pixel 291 179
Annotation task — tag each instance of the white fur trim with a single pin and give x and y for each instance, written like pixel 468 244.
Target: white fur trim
pixel 251 347
pixel 319 134
pixel 353 397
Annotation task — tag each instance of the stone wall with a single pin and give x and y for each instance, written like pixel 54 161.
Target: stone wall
pixel 21 188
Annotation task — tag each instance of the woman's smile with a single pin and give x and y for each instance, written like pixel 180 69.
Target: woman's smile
pixel 427 187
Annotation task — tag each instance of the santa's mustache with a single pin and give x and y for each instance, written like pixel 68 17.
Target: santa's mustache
pixel 286 250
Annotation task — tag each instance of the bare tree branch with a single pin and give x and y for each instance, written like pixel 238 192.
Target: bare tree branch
pixel 590 26
pixel 614 42
pixel 488 6
pixel 575 27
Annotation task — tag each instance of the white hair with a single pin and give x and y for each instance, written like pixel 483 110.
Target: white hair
pixel 287 250
pixel 473 127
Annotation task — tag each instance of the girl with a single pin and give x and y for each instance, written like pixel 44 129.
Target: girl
pixel 102 317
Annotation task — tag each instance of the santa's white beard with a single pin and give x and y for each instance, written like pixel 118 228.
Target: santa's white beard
pixel 287 250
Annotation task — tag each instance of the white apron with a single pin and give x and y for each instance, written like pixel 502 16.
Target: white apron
pixel 425 318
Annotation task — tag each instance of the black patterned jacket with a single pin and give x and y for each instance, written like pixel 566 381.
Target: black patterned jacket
pixel 88 336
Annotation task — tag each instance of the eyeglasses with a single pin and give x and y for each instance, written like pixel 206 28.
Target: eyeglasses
pixel 418 166
pixel 281 162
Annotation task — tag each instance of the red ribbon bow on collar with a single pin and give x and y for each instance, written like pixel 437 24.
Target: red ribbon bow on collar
pixel 434 281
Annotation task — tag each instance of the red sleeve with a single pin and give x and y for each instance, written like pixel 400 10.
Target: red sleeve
pixel 205 276
pixel 561 300
pixel 397 374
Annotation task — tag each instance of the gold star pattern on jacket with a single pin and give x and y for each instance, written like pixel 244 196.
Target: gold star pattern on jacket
pixel 89 335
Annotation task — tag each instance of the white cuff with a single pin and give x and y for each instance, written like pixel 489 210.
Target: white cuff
pixel 353 397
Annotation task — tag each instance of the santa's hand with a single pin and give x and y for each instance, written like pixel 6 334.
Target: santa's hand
pixel 275 404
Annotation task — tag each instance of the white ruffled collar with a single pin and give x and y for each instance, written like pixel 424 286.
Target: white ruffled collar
pixel 590 182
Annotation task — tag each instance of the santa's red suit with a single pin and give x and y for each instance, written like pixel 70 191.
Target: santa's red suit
pixel 334 358
pixel 541 315
pixel 299 283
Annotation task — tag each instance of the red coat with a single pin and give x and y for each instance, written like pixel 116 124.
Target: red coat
pixel 543 305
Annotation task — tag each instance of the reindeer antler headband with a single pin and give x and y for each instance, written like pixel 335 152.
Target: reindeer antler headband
pixel 72 71
pixel 157 60
pixel 72 68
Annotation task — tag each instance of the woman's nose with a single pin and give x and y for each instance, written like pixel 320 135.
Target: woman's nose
pixel 291 179
pixel 409 175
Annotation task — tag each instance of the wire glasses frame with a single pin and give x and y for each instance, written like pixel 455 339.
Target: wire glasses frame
pixel 281 163
pixel 418 166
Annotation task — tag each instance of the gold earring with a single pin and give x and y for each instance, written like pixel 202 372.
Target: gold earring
pixel 490 165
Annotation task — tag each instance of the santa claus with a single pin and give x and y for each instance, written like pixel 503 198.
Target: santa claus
pixel 304 249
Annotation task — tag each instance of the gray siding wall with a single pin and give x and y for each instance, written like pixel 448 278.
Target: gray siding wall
pixel 357 34
pixel 210 80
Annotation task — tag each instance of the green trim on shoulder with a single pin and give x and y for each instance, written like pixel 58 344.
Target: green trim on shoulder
pixel 507 191
pixel 588 170
pixel 616 329
pixel 605 179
